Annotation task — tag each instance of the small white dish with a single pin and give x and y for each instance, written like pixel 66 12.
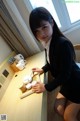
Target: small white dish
pixel 27 79
pixel 34 83
pixel 28 86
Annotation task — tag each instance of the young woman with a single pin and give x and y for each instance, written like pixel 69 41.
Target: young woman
pixel 60 62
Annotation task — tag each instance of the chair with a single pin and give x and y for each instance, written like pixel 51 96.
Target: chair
pixel 77 46
pixel 77 50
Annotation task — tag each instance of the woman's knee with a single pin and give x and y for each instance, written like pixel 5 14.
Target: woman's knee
pixel 59 109
pixel 69 117
pixel 59 105
pixel 71 111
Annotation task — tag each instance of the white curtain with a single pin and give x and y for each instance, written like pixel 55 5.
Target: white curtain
pixel 19 36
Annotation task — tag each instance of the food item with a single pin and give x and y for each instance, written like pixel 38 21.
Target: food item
pixel 34 83
pixel 27 79
pixel 28 86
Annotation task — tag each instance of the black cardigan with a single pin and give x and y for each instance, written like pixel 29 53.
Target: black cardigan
pixel 62 65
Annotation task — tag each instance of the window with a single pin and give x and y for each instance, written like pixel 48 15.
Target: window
pixel 47 4
pixel 73 7
pixel 65 12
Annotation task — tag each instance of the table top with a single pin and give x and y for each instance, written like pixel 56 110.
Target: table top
pixel 30 108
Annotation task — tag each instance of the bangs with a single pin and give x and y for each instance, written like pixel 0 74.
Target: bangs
pixel 37 16
pixel 36 21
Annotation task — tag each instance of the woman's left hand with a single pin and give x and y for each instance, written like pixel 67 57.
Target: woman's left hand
pixel 39 87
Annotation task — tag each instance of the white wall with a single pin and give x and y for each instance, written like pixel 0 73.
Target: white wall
pixel 5 50
pixel 73 34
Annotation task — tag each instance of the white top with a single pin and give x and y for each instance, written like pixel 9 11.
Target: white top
pixel 47 46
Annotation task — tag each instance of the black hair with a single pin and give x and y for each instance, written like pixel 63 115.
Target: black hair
pixel 40 14
pixel 37 16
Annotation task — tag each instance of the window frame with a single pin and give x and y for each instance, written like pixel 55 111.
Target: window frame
pixel 62 12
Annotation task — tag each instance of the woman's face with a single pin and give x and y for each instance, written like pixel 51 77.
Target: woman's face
pixel 44 32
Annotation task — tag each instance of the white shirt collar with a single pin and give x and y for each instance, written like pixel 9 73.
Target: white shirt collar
pixel 46 45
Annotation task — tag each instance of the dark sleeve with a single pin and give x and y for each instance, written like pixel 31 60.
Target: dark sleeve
pixel 65 60
pixel 46 67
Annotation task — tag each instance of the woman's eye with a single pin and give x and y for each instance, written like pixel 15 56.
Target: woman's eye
pixel 44 27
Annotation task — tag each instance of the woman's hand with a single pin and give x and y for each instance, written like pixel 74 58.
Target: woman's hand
pixel 39 87
pixel 40 71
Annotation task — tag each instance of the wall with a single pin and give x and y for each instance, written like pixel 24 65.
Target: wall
pixel 5 50
pixel 5 53
pixel 74 36
pixel 5 80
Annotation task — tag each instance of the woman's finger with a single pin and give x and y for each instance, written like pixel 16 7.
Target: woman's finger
pixel 33 68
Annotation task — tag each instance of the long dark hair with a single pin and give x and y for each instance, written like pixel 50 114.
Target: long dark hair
pixel 39 14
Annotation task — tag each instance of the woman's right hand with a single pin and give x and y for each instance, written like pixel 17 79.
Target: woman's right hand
pixel 38 70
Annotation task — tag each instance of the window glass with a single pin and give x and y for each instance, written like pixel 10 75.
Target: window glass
pixel 73 7
pixel 48 5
